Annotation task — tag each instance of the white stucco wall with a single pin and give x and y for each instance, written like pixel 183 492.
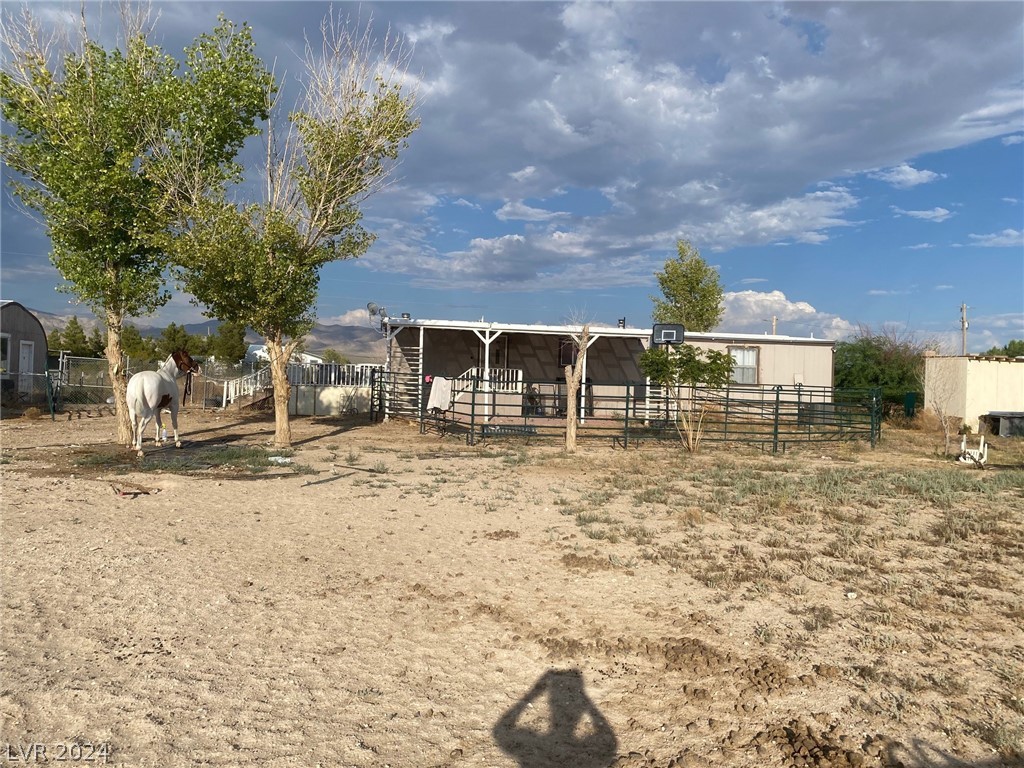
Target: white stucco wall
pixel 969 388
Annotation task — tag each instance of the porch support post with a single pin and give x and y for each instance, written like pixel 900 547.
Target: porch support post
pixel 419 383
pixel 583 379
pixel 487 337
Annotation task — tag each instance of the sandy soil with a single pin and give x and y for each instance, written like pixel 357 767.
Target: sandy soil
pixel 395 599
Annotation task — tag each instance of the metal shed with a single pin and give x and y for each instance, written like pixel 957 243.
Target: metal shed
pixel 22 349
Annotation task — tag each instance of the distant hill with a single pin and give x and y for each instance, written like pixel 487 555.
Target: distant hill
pixel 361 344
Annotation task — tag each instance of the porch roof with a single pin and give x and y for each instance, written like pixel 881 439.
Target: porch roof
pixel 643 334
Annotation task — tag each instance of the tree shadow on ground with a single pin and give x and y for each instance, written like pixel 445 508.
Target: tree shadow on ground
pixel 566 729
pixel 920 754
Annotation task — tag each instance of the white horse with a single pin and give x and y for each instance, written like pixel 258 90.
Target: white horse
pixel 149 392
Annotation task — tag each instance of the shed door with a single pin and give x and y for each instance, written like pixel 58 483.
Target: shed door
pixel 26 365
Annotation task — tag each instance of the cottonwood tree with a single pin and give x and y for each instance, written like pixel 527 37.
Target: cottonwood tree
pixel 681 370
pixel 691 290
pixel 258 263
pixel 84 125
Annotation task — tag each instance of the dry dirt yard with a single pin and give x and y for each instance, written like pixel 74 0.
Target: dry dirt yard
pixel 385 598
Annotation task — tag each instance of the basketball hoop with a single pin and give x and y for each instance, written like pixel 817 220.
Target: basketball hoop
pixel 667 335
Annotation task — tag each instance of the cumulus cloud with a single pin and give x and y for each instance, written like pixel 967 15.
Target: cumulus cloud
pixel 352 317
pixel 752 312
pixel 904 176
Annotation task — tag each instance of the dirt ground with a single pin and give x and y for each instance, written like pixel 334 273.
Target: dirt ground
pixel 386 598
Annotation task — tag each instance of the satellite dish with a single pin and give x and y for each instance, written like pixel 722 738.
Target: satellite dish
pixel 373 309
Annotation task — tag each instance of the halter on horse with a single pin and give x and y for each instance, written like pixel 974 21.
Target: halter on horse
pixel 151 391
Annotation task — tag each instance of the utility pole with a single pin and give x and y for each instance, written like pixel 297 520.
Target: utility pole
pixel 774 321
pixel 963 329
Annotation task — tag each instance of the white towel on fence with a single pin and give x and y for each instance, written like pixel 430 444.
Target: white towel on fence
pixel 440 394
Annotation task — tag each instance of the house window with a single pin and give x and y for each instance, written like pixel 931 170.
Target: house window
pixel 567 352
pixel 5 353
pixel 744 365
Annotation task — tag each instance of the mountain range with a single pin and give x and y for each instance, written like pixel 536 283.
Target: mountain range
pixel 360 344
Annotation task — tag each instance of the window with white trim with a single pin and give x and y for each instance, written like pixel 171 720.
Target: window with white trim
pixel 744 365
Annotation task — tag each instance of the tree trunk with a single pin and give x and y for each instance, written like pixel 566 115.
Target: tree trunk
pixel 118 378
pixel 572 386
pixel 280 354
pixel 573 379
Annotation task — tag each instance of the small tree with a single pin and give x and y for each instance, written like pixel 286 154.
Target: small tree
pixel 680 370
pixel 84 125
pixel 573 382
pixel 692 292
pixel 53 340
pixel 228 344
pixel 334 356
pixel 258 264
pixel 137 347
pixel 1013 348
pixel 97 342
pixel 173 338
pixel 74 339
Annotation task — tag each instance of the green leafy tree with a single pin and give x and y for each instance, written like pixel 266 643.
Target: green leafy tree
pixel 691 290
pixel 334 356
pixel 172 338
pixel 53 340
pixel 258 263
pixel 97 342
pixel 89 132
pixel 137 347
pixel 888 360
pixel 74 339
pixel 228 345
pixel 680 370
pixel 1013 348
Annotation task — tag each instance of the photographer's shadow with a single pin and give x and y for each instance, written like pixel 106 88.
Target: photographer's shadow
pixel 573 733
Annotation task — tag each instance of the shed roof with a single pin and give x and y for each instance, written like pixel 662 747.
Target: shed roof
pixel 602 330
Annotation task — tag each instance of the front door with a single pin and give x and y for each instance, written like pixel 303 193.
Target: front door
pixel 26 365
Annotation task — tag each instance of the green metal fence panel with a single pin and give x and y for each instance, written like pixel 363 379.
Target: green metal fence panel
pixel 772 417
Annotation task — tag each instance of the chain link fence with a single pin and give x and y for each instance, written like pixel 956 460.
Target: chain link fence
pixel 21 391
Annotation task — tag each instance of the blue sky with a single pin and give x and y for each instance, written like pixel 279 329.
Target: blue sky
pixel 841 164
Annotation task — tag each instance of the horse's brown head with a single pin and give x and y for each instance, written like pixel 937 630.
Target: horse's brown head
pixel 185 362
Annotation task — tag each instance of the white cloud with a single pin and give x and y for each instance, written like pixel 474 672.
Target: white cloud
pixel 889 292
pixel 466 204
pixel 1016 138
pixel 905 176
pixel 752 312
pixel 944 287
pixel 524 174
pixel 935 214
pixel 519 211
pixel 918 247
pixel 1008 238
pixel 352 317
